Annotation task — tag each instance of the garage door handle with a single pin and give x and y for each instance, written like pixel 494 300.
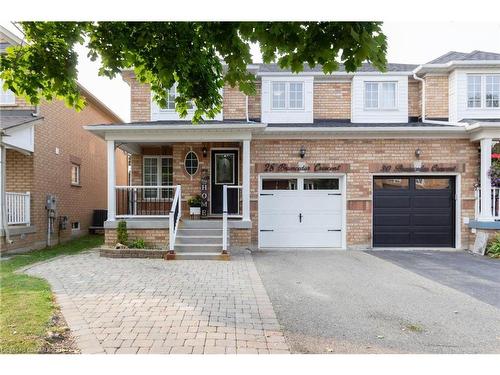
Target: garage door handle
pixel 300 218
pixel 265 194
pixel 267 230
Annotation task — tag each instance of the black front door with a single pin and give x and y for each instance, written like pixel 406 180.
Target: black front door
pixel 224 172
pixel 414 211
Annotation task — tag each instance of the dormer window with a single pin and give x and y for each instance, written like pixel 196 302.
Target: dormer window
pixel 380 95
pixel 287 95
pixel 483 91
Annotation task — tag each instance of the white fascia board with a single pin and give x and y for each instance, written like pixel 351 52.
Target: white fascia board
pixel 480 130
pixel 427 68
pixel 261 74
pixel 362 132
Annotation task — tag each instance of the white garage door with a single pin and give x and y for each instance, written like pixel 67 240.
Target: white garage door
pixel 300 212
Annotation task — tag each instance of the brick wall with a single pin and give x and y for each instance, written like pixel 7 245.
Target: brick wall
pixel 234 104
pixel 436 96
pixel 359 154
pixel 140 98
pixel 154 238
pixel 240 237
pixel 414 98
pixel 332 100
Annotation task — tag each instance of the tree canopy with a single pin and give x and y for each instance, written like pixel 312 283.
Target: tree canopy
pixel 199 56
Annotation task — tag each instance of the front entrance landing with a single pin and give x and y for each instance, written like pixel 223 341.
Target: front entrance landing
pixel 153 306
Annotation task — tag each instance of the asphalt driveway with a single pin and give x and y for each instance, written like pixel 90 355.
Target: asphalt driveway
pixel 383 302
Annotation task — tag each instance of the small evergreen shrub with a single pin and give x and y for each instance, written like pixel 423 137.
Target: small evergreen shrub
pixel 122 233
pixel 195 201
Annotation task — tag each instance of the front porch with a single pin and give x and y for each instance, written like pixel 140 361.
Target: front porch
pixel 167 169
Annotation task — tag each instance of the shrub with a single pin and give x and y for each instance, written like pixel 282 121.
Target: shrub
pixel 138 244
pixel 195 201
pixel 493 249
pixel 121 232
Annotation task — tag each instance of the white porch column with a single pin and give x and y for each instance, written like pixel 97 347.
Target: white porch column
pixel 246 180
pixel 486 213
pixel 111 180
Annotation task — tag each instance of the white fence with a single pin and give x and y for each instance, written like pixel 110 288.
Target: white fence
pixel 495 202
pixel 18 208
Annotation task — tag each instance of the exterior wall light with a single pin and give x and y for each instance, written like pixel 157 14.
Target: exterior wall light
pixel 302 152
pixel 418 152
pixel 204 151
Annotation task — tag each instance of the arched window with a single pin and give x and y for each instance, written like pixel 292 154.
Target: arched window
pixel 191 163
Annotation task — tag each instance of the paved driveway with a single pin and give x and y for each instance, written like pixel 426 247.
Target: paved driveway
pixel 355 302
pixel 155 306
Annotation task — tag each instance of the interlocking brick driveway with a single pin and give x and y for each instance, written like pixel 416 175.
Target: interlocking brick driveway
pixel 155 306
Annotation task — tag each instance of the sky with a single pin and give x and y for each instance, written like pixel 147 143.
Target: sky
pixel 408 42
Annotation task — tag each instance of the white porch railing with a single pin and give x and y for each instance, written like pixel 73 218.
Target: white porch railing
pixel 225 214
pixel 18 208
pixel 174 217
pixel 495 202
pixel 144 201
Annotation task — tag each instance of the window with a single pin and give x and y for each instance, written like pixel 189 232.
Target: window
pixel 6 96
pixel 380 95
pixel 191 163
pixel 321 184
pixel 157 171
pixel 493 91
pixel 75 225
pixel 474 91
pixel 391 183
pixel 287 95
pixel 172 94
pixel 432 183
pixel 279 184
pixel 75 174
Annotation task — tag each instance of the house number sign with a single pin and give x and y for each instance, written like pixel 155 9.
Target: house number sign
pixel 204 192
pixel 287 168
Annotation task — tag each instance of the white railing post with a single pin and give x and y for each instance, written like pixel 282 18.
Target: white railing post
pixel 496 202
pixel 246 180
pixel 180 202
pixel 111 181
pixel 224 219
pixel 27 216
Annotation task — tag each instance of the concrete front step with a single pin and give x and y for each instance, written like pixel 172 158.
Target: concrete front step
pixel 187 232
pixel 201 224
pixel 200 240
pixel 198 248
pixel 200 256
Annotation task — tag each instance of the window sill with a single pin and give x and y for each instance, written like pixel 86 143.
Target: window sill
pixel 76 185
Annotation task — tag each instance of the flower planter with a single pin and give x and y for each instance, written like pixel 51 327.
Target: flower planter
pixel 194 211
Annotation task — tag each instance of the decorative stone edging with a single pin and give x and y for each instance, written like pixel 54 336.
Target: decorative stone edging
pixel 133 253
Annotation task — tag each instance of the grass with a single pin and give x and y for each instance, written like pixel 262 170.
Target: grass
pixel 27 304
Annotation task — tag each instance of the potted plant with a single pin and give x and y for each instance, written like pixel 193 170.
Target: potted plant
pixel 194 205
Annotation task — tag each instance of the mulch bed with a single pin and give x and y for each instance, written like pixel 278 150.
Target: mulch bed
pixel 59 339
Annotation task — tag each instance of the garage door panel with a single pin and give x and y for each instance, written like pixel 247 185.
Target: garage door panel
pixel 268 220
pixel 384 201
pixel 414 217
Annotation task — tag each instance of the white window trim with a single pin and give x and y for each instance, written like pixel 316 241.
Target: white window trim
pixel 168 110
pixel 6 94
pixel 197 168
pixel 78 226
pixel 78 174
pixel 483 92
pixel 158 173
pixel 379 93
pixel 287 97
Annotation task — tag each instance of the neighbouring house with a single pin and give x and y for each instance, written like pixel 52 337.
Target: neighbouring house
pixel 345 160
pixel 45 152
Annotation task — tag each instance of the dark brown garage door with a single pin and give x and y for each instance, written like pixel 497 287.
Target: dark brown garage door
pixel 414 211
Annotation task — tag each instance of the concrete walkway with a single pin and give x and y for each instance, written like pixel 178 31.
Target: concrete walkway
pixel 155 306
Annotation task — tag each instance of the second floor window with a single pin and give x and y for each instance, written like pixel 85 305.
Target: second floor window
pixel 287 95
pixel 380 95
pixel 172 94
pixel 75 174
pixel 6 96
pixel 483 91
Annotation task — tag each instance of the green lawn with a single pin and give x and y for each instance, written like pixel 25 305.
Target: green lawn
pixel 26 304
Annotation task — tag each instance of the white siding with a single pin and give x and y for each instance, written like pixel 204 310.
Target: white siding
pixel 288 116
pixel 452 98
pixel 362 115
pixel 462 111
pixel 172 115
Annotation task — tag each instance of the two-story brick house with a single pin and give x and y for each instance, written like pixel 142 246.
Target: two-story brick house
pixel 44 151
pixel 345 160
